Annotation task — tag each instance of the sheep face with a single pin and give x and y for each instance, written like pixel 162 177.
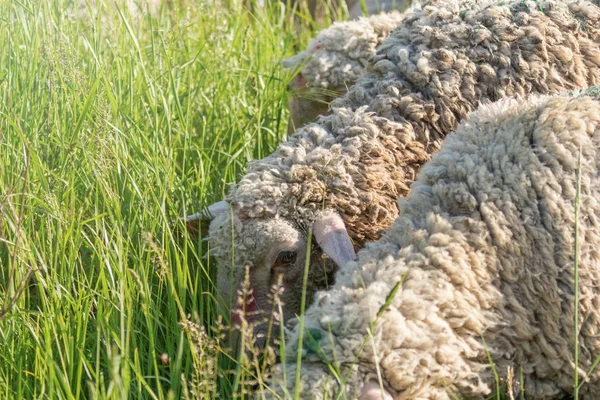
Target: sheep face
pixel 272 250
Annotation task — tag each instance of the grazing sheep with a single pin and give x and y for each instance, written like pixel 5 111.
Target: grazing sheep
pixel 343 175
pixel 332 62
pixel 484 253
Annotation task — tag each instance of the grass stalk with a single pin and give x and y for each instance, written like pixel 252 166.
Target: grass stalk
pixel 576 385
pixel 302 309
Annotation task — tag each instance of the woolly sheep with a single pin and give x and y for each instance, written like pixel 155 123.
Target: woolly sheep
pixel 342 176
pixel 332 62
pixel 484 251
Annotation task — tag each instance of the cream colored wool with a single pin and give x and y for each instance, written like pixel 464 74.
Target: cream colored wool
pixel 332 62
pixel 435 68
pixel 485 245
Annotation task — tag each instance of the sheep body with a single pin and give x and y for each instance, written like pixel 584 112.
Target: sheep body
pixel 436 67
pixel 484 250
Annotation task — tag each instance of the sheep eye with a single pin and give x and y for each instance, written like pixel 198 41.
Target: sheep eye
pixel 286 257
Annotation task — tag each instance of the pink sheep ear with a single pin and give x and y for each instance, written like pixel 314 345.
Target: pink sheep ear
pixel 208 214
pixel 331 235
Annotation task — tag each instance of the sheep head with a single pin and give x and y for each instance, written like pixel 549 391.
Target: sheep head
pixel 273 250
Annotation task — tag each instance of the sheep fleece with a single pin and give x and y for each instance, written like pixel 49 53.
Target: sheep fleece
pixel 484 247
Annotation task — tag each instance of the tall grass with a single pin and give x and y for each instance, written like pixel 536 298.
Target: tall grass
pixel 110 127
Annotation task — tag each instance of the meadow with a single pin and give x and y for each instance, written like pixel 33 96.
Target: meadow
pixel 111 126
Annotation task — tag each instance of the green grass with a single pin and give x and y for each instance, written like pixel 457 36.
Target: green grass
pixel 111 127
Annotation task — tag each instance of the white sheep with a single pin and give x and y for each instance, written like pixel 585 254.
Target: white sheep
pixel 484 255
pixel 343 175
pixel 332 62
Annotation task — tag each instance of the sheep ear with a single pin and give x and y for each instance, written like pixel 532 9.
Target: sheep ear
pixel 330 232
pixel 192 222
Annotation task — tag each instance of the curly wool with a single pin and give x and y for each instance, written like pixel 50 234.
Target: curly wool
pixel 441 62
pixel 483 250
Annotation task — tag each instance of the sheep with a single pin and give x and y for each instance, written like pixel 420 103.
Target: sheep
pixel 340 178
pixel 483 255
pixel 332 62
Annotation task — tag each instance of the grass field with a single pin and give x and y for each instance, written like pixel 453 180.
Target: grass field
pixel 110 127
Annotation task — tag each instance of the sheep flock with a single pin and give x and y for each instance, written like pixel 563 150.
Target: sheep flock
pixel 484 253
pixel 470 262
